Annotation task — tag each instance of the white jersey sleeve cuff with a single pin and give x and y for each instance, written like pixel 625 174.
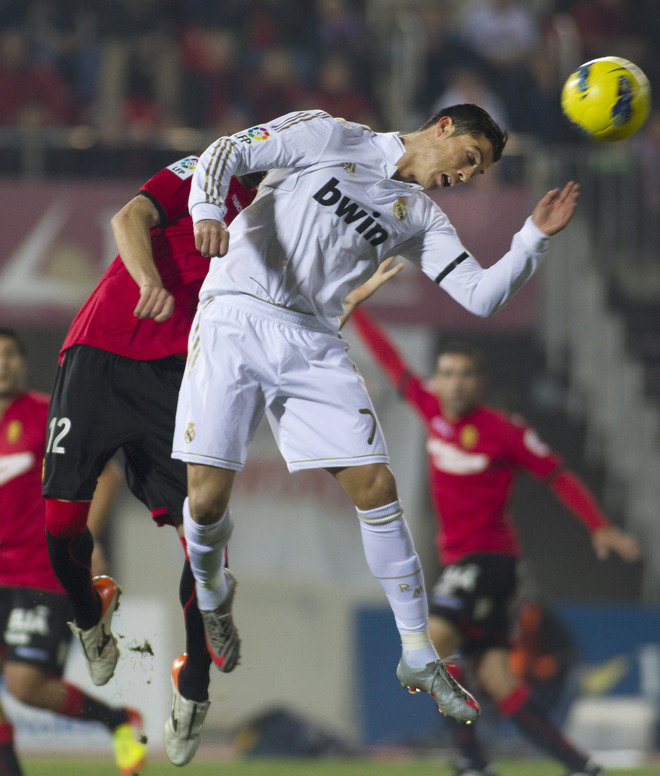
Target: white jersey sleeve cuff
pixel 533 238
pixel 204 210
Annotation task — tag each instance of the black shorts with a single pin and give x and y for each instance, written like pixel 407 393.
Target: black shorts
pixel 103 402
pixel 33 628
pixel 476 594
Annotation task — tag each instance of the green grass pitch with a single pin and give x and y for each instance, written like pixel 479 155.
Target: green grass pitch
pixel 274 767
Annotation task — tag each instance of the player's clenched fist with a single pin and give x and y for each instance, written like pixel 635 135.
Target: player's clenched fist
pixel 155 302
pixel 211 237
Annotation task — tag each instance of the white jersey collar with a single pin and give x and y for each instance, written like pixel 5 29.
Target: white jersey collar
pixel 391 147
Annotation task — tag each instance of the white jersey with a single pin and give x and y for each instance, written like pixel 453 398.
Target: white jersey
pixel 329 212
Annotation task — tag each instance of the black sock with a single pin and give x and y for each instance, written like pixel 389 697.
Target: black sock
pixel 71 559
pixel 194 677
pixel 533 722
pixel 78 705
pixel 466 741
pixel 8 761
pixel 97 711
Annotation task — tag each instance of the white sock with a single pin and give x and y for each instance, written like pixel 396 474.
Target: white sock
pixel 418 648
pixel 391 557
pixel 206 550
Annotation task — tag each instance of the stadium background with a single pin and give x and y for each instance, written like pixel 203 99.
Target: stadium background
pixel 96 97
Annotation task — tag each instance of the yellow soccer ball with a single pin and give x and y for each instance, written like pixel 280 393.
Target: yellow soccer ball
pixel 607 99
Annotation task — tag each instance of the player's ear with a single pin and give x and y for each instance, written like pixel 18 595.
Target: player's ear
pixel 444 126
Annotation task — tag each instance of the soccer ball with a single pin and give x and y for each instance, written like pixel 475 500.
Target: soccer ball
pixel 607 99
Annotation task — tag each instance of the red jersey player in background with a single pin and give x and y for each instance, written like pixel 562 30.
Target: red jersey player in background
pixel 474 453
pixel 34 637
pixel 116 387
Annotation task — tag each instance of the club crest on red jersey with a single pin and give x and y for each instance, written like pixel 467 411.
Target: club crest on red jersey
pixel 14 431
pixel 469 437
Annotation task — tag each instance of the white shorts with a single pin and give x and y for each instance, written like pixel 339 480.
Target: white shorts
pixel 246 358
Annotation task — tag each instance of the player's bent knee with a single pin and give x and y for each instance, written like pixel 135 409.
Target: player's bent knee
pixel 24 683
pixel 494 676
pixel 209 490
pixel 207 511
pixel 369 486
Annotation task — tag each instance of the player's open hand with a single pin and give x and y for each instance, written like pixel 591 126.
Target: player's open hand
pixel 609 538
pixel 155 302
pixel 383 273
pixel 211 237
pixel 556 209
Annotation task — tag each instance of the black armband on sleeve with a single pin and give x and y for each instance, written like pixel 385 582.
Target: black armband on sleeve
pixel 162 215
pixel 450 267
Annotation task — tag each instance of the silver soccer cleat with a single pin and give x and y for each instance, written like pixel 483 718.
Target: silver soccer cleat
pixel 434 678
pixel 222 638
pixel 183 729
pixel 98 644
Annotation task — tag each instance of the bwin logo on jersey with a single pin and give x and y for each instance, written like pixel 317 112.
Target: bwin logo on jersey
pixel 352 213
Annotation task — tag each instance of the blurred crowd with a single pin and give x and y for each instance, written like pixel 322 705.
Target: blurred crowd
pixel 133 68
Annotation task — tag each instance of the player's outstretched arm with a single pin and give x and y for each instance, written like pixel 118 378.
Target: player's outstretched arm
pixel 556 208
pixel 130 227
pixel 610 539
pixel 485 291
pixel 360 294
pixel 605 537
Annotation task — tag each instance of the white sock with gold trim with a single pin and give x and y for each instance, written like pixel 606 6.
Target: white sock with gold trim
pixel 206 550
pixel 391 557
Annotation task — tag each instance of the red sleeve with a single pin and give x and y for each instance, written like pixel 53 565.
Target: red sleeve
pixel 237 199
pixel 381 349
pixel 526 449
pixel 577 497
pixel 408 384
pixel 169 190
pixel 535 456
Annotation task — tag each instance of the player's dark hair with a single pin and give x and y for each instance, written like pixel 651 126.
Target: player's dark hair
pixel 12 334
pixel 470 119
pixel 457 347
